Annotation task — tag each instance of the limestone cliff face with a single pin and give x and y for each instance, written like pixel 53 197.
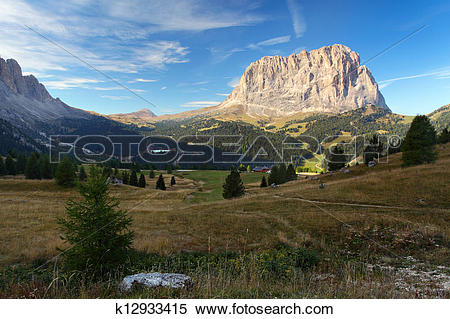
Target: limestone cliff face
pixel 329 79
pixel 29 86
pixel 23 100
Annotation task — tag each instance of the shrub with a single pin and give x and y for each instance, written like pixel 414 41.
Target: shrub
pixel 172 181
pixel 82 175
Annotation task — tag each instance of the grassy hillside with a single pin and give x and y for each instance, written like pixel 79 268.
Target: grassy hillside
pixel 379 232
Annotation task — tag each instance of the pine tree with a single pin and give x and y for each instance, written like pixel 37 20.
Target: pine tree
pixel 444 137
pixel 273 177
pixel 32 170
pixel 263 182
pixel 160 183
pixel 290 173
pixel 336 158
pixel 172 181
pixel 97 230
pixel 2 167
pixel 82 175
pixel 418 145
pixel 133 178
pixel 45 167
pixel 125 178
pixel 151 174
pixel 10 165
pixel 21 163
pixel 281 177
pixel 65 174
pixel 141 182
pixel 233 186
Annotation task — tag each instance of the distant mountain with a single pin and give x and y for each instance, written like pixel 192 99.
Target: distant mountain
pixel 28 113
pixel 26 103
pixel 141 117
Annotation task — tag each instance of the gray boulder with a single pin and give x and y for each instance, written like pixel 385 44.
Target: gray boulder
pixel 347 171
pixel 371 163
pixel 322 186
pixel 154 280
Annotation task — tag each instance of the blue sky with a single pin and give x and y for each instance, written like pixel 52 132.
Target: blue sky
pixel 183 54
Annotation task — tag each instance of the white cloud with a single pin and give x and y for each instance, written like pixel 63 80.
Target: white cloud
pixel 143 80
pixel 200 103
pixel 441 74
pixel 115 97
pixel 234 82
pixel 70 83
pixel 298 21
pixel 273 41
pixel 163 88
pixel 160 53
pixel 223 94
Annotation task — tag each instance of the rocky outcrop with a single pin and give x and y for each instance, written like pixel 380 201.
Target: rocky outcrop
pixel 24 101
pixel 329 79
pixel 29 86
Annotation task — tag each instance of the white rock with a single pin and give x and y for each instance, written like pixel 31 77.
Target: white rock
pixel 329 79
pixel 154 280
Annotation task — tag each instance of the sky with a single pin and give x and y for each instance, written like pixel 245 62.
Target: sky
pixel 177 55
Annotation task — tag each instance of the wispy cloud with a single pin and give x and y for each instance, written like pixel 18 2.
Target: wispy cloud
pixel 200 103
pixel 115 97
pixel 163 88
pixel 70 83
pixel 223 94
pixel 234 82
pixel 142 80
pixel 298 21
pixel 272 41
pixel 441 74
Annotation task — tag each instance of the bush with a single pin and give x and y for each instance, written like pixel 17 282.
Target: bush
pixel 96 229
pixel 172 181
pixel 151 174
pixel 82 175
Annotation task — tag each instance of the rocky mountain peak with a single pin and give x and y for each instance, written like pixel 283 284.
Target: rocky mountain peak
pixel 29 86
pixel 329 79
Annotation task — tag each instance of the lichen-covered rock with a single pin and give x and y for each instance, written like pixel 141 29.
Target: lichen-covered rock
pixel 154 280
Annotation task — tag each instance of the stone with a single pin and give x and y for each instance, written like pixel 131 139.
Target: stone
pixel 155 280
pixel 371 163
pixel 322 186
pixel 346 171
pixel 329 79
pixel 314 178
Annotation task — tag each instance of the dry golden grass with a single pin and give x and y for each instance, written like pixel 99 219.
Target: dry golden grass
pixel 386 220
